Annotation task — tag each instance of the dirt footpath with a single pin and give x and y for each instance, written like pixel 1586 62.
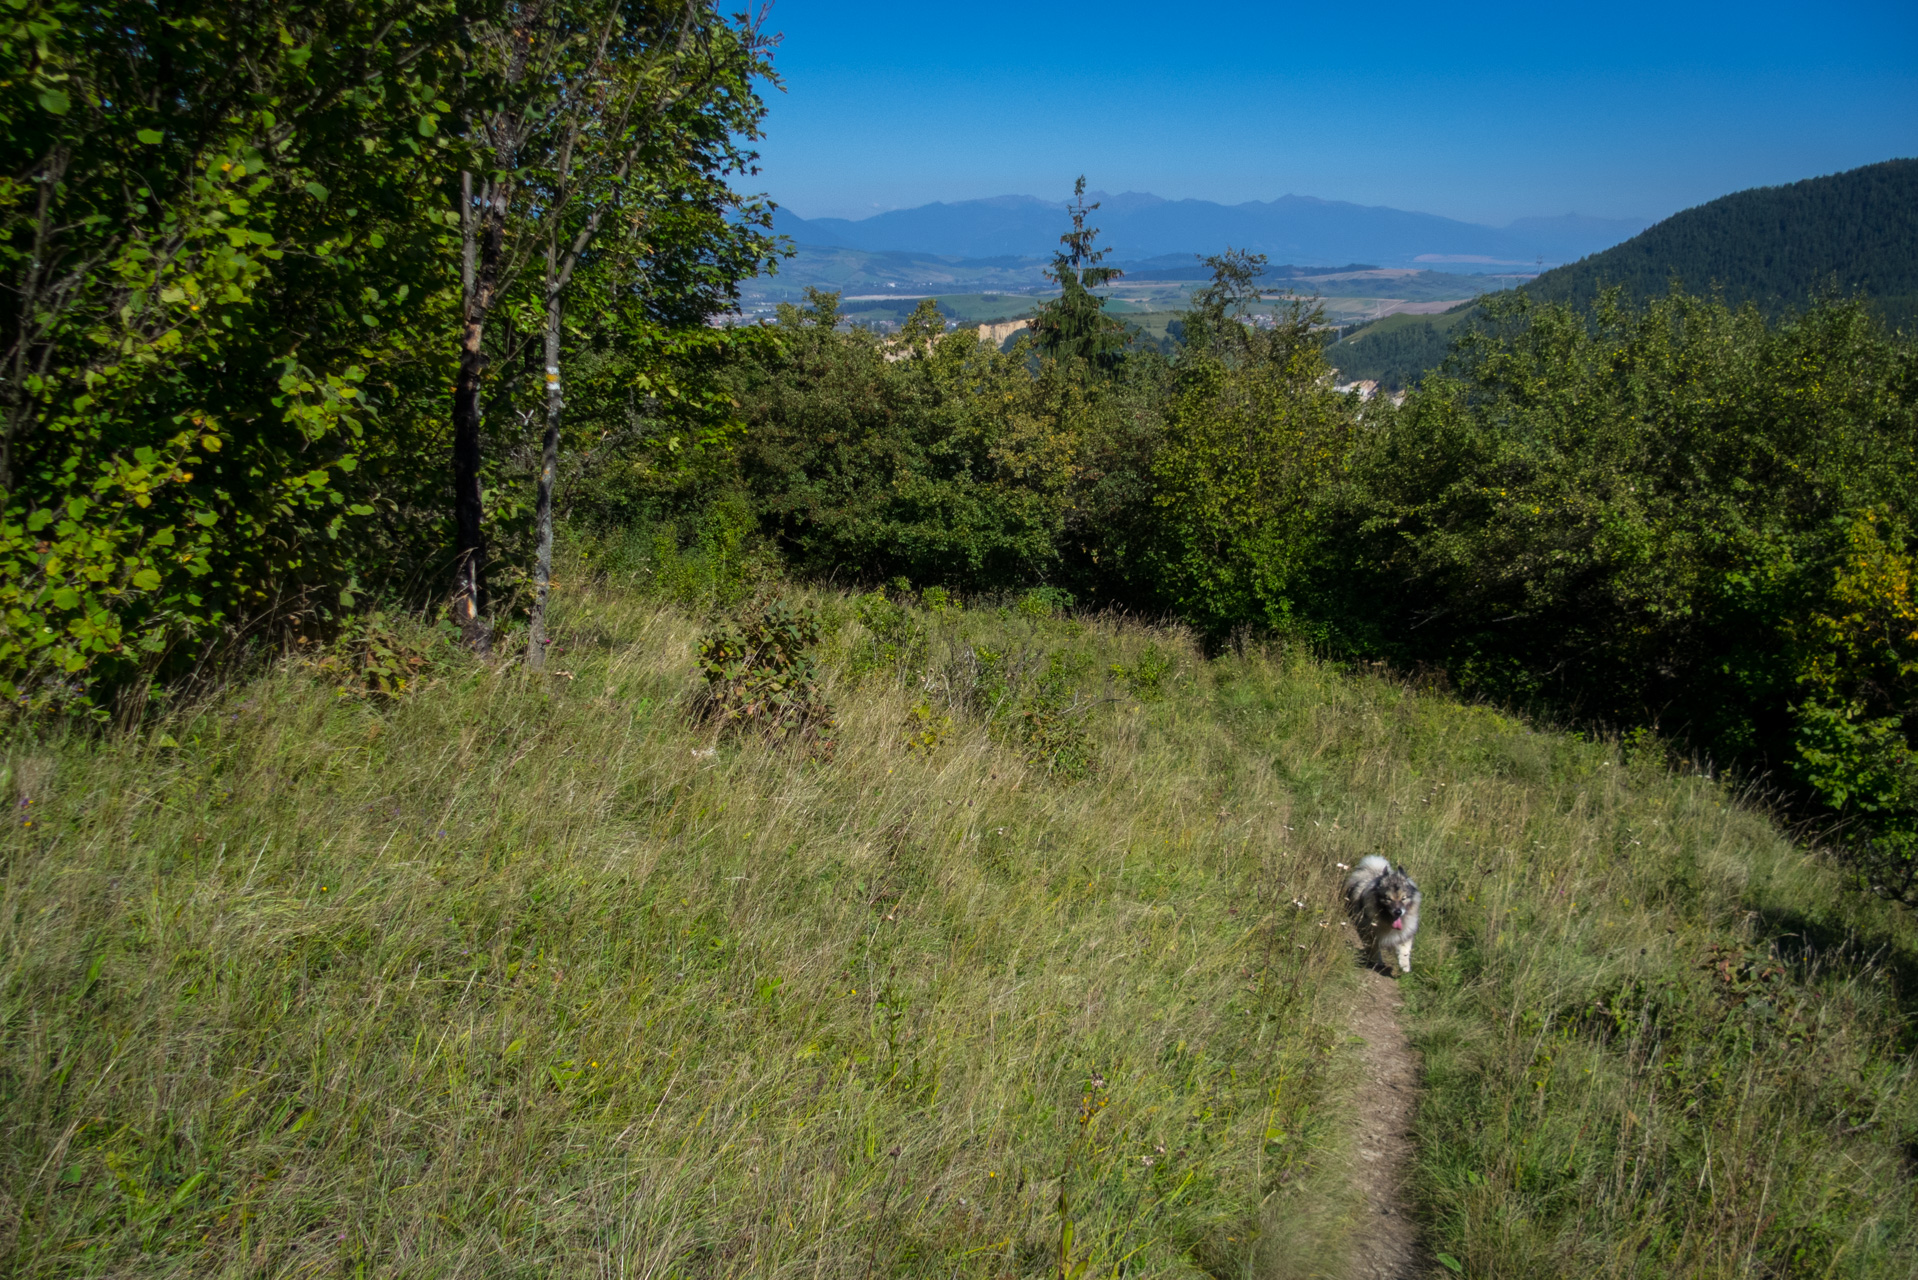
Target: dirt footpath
pixel 1387 1238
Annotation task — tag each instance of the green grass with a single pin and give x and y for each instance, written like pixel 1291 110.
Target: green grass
pixel 523 975
pixel 1443 322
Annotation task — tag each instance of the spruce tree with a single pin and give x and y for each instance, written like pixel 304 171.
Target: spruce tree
pixel 1074 325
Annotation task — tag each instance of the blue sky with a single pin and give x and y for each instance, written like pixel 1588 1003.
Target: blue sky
pixel 1484 112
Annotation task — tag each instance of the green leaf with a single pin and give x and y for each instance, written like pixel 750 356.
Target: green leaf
pixel 152 137
pixel 55 101
pixel 429 125
pixel 317 191
pixel 147 580
pixel 186 1189
pixel 1452 1263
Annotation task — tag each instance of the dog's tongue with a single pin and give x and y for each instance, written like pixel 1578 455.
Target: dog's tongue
pixel 1398 924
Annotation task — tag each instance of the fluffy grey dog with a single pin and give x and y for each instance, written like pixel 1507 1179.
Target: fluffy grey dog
pixel 1384 904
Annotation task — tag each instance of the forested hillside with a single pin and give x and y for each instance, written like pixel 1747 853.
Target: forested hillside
pixel 1855 232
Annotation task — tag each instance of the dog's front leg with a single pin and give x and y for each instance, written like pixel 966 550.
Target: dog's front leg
pixel 1405 957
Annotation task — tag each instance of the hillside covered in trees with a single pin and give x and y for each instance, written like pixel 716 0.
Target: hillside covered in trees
pixel 1773 247
pixel 1855 232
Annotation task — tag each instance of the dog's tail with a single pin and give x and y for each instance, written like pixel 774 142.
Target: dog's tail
pixel 1370 868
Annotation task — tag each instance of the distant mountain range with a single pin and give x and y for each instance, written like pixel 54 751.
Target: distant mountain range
pixel 1855 231
pixel 1297 230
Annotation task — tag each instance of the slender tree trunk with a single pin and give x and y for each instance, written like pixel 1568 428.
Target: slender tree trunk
pixel 482 236
pixel 19 403
pixel 548 468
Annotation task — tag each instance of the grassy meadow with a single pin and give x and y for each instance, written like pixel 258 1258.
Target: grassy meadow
pixel 1039 972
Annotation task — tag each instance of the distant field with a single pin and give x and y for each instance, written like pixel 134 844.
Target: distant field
pixel 1443 321
pixel 885 286
pixel 960 308
pixel 1398 349
pixel 1150 311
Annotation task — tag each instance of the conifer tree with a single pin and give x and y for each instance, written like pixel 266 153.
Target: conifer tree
pixel 1074 326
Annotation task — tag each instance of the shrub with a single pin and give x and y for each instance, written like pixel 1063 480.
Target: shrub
pixel 1675 514
pixel 762 680
pixel 1050 726
pixel 377 656
pixel 1144 679
pixel 926 729
pixel 894 636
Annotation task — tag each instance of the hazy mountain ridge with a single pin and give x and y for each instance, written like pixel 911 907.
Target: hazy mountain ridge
pixel 1295 229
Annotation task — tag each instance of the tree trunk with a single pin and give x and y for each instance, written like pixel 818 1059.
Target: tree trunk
pixel 482 233
pixel 548 470
pixel 469 566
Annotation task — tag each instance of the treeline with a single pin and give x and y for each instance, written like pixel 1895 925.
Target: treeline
pixel 288 289
pixel 1677 519
pixel 315 304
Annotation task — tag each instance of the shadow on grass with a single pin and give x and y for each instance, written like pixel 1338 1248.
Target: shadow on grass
pixel 1810 947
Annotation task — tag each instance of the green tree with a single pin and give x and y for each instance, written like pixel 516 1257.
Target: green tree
pixel 201 283
pixel 620 114
pixel 933 457
pixel 1074 326
pixel 1673 514
pixel 1255 446
pixel 665 104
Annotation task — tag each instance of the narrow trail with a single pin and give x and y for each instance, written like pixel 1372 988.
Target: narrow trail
pixel 1387 1237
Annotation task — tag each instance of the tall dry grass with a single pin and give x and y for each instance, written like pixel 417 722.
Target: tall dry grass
pixel 530 975
pixel 521 975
